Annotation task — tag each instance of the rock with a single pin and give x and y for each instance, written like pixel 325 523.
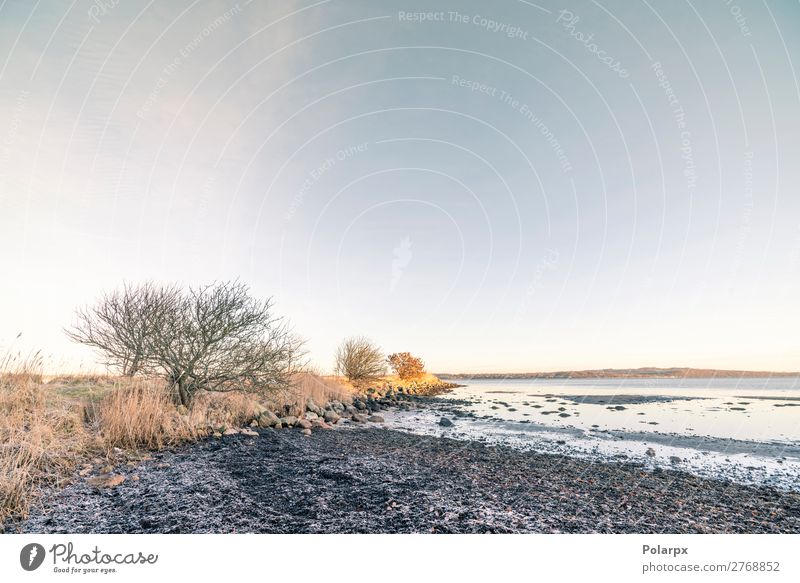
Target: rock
pixel 288 421
pixel 303 424
pixel 310 415
pixel 331 417
pixel 673 459
pixel 360 405
pixel 307 432
pixel 312 407
pixel 445 422
pixel 254 423
pixel 375 419
pixel 249 432
pixel 106 481
pixel 268 419
pixel 358 418
pixel 217 434
pixel 231 431
pixel 317 424
pixel 650 452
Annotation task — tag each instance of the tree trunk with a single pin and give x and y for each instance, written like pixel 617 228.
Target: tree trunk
pixel 183 393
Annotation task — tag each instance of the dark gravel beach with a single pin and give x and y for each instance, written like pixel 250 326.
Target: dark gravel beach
pixel 380 481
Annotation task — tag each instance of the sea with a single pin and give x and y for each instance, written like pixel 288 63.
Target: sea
pixel 746 430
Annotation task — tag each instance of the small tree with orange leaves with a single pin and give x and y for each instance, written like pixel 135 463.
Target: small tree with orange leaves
pixel 406 366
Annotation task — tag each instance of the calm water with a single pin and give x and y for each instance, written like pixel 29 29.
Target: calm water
pixel 763 409
pixel 746 430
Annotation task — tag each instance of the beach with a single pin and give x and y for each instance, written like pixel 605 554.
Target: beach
pixel 366 479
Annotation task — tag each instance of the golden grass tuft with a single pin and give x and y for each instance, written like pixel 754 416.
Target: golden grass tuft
pixel 140 414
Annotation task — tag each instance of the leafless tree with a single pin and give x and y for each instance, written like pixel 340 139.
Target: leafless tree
pixel 360 360
pixel 219 338
pixel 121 322
pixel 212 338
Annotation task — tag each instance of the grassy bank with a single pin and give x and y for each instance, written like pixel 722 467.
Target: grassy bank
pixel 63 428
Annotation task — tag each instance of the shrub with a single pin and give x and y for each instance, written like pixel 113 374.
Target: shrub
pixel 360 360
pixel 212 338
pixel 406 366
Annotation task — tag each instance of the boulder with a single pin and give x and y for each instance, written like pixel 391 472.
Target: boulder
pixel 317 424
pixel 310 415
pixel 375 419
pixel 359 418
pixel 673 459
pixel 331 417
pixel 312 407
pixel 650 452
pixel 445 422
pixel 231 431
pixel 288 421
pixel 303 424
pixel 106 481
pixel 268 419
pixel 307 432
pixel 249 432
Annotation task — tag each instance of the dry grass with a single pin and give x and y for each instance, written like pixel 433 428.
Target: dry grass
pixel 79 379
pixel 141 414
pixel 42 437
pixel 222 410
pixel 426 378
pixel 48 429
pixel 307 386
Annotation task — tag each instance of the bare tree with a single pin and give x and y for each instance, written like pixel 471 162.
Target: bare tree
pixel 219 338
pixel 212 338
pixel 121 322
pixel 360 360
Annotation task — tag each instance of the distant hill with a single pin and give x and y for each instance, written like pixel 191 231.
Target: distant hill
pixel 623 373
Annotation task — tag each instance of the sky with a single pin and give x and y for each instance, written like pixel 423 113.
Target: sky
pixel 507 186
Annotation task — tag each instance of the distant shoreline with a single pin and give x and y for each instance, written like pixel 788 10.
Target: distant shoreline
pixel 620 373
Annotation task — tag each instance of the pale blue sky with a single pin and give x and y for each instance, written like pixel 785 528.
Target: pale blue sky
pixel 485 186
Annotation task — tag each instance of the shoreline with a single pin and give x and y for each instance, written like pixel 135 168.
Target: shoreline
pixel 374 480
pixel 358 476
